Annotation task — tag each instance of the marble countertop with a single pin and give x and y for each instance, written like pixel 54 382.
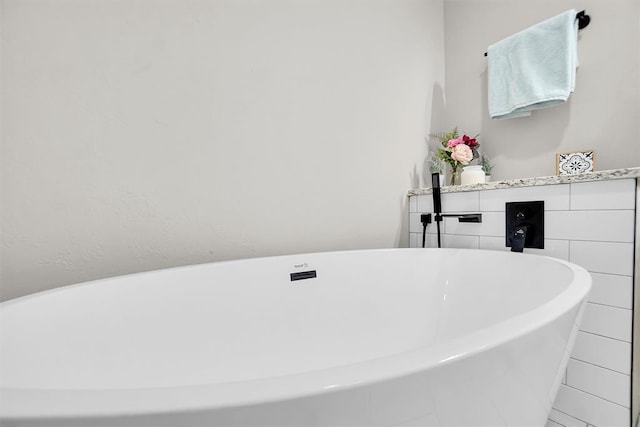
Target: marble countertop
pixel 532 182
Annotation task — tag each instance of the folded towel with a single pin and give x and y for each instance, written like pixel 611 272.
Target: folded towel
pixel 533 69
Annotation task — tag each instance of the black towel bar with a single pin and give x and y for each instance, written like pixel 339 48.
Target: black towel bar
pixel 583 21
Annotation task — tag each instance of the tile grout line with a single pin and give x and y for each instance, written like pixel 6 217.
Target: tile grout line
pixel 609 305
pixel 571 416
pixel 603 336
pixel 596 396
pixel 599 366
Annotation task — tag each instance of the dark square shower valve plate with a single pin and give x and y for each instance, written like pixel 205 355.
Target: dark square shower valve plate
pixel 530 215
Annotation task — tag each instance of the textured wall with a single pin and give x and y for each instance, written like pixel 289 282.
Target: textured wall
pixel 603 112
pixel 141 135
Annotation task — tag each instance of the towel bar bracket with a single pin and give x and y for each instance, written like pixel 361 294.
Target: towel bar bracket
pixel 583 19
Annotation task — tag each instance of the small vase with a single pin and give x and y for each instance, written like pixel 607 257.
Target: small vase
pixel 454 176
pixel 487 178
pixel 472 175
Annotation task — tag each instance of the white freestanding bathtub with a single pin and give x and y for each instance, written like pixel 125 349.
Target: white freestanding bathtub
pixel 420 337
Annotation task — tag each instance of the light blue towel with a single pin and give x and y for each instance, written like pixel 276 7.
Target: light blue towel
pixel 533 69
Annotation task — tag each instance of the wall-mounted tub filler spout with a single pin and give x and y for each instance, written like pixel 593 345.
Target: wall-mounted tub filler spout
pixel 473 217
pixel 437 208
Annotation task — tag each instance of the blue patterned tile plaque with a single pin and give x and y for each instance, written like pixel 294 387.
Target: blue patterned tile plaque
pixel 575 163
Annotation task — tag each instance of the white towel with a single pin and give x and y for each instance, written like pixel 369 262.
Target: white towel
pixel 533 69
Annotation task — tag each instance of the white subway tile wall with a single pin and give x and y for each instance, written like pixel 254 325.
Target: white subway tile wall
pixel 591 224
pixel 608 384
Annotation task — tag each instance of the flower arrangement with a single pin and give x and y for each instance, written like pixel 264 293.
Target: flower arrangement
pixel 457 151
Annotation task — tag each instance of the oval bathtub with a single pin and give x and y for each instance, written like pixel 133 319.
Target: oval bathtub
pixel 377 337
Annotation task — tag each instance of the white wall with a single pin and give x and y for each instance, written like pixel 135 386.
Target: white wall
pixel 141 135
pixel 603 112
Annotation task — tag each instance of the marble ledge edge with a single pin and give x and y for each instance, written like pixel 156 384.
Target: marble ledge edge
pixel 533 182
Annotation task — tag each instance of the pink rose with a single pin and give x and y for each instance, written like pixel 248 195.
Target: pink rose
pixel 455 142
pixel 462 153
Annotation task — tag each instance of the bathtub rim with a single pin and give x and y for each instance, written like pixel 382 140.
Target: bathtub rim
pixel 51 403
